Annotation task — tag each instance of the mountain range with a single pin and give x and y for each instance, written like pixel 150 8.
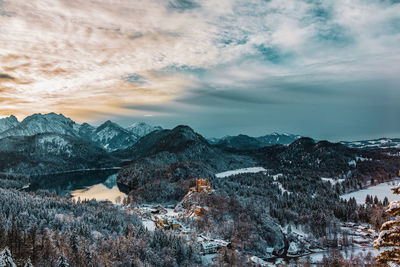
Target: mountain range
pixel 48 143
pixel 164 163
pixel 374 143
pixel 108 135
pixel 245 142
pixel 172 158
pixel 26 147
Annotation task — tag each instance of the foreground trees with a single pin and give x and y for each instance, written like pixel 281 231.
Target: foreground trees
pixel 45 230
pixel 6 259
pixel 389 236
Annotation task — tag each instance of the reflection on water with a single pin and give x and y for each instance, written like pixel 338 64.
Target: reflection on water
pixel 99 185
pixel 108 190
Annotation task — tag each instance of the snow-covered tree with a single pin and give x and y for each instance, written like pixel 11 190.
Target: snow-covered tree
pixel 62 261
pixel 389 237
pixel 28 263
pixel 6 259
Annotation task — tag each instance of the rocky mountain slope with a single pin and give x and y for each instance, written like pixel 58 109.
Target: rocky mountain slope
pixel 49 153
pixel 8 123
pixel 142 129
pixel 109 135
pixel 47 123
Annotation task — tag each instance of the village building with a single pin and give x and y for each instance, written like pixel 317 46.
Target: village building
pixel 209 247
pixel 165 222
pixel 198 210
pixel 202 186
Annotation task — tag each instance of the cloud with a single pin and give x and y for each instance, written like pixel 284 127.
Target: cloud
pixel 182 5
pixel 136 79
pixel 195 57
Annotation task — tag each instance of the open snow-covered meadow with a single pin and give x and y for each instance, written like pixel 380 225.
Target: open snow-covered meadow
pixel 381 191
pixel 239 171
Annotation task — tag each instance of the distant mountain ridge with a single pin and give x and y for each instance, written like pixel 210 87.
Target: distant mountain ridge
pixel 109 135
pixel 142 128
pixel 374 143
pixel 245 142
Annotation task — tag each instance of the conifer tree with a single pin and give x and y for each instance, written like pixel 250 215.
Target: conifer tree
pixel 62 261
pixel 28 263
pixel 389 237
pixel 6 259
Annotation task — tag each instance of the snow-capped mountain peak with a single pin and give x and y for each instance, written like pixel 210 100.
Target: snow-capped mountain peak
pixel 43 123
pixel 108 130
pixel 141 128
pixel 108 135
pixel 8 123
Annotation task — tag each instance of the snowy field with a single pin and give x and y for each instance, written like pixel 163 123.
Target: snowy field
pixel 381 191
pixel 333 181
pixel 239 171
pixel 347 254
pixel 149 225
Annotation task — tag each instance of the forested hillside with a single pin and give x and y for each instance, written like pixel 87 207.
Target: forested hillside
pixel 42 227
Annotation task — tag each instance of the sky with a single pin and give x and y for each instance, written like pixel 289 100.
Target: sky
pixel 328 69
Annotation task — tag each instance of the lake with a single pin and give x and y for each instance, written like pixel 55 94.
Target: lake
pixel 98 185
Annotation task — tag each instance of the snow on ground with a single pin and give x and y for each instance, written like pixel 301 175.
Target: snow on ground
pixel 171 212
pixel 332 181
pixel 252 170
pixel 297 230
pixel 239 171
pixel 352 163
pixel 347 254
pixel 363 159
pixel 208 259
pixel 259 261
pixel 150 225
pixel 275 177
pixel 282 188
pixel 381 191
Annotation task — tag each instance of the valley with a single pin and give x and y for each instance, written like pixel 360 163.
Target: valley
pixel 217 203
